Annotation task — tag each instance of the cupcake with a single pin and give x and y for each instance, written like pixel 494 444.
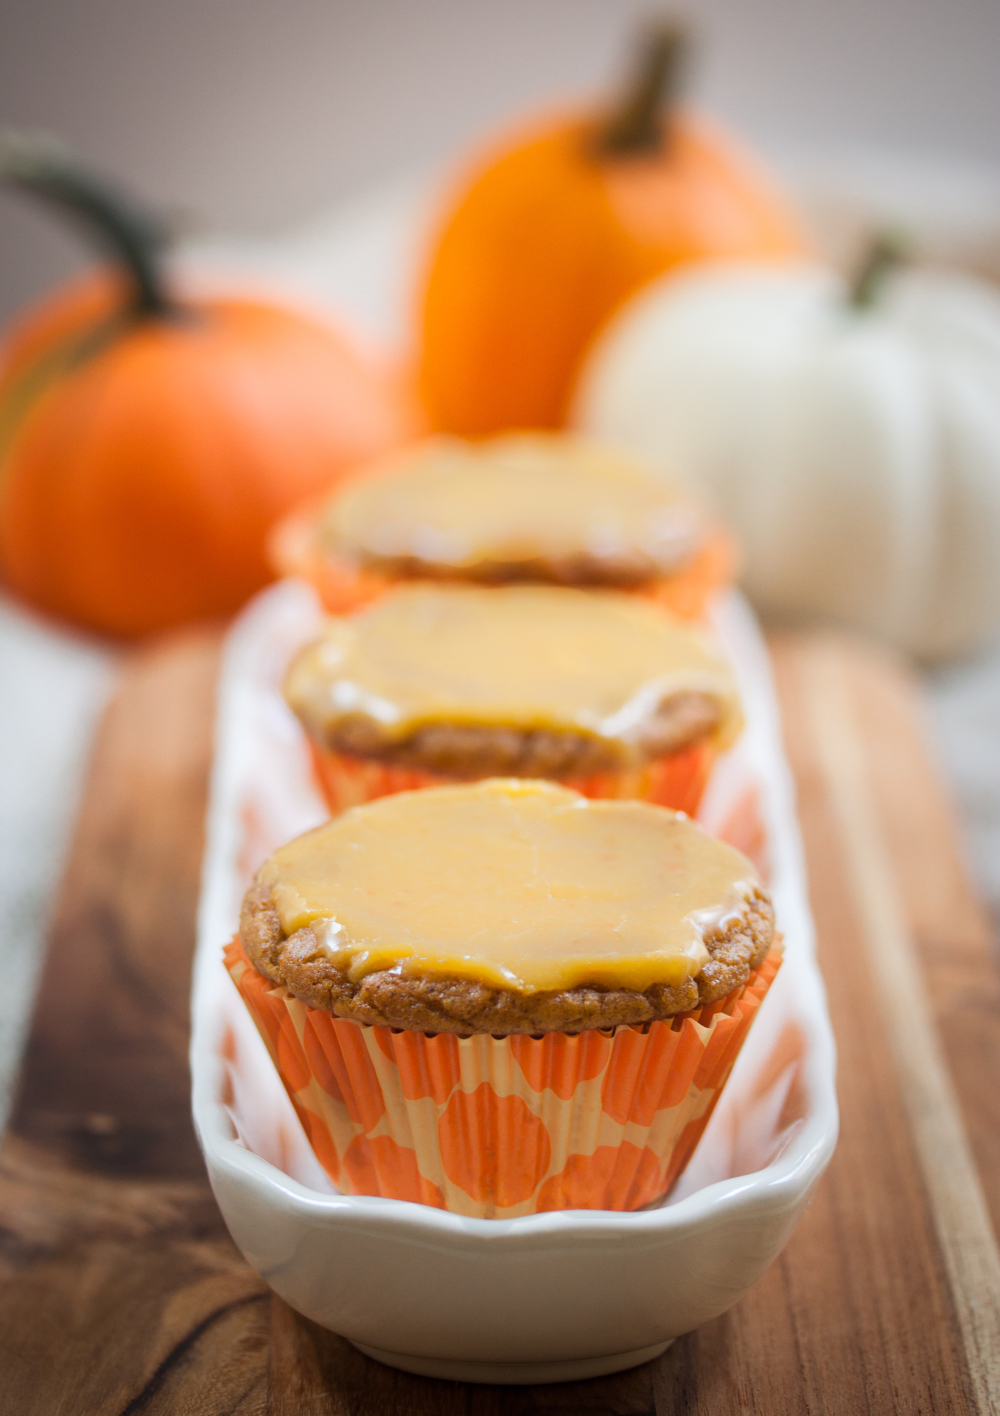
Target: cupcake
pixel 503 997
pixel 541 508
pixel 438 683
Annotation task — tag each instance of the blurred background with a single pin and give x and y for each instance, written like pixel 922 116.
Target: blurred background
pixel 248 116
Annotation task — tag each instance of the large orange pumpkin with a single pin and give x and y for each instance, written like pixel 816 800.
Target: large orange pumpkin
pixel 147 443
pixel 555 228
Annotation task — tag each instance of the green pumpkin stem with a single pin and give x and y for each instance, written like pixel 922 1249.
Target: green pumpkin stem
pixel 634 126
pixel 134 239
pixel 885 252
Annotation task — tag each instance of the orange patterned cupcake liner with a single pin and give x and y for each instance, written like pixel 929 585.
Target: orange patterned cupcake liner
pixel 499 1127
pixel 677 780
pixel 345 587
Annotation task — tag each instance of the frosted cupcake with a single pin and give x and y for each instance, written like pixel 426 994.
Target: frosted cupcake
pixel 503 998
pixel 603 691
pixel 542 508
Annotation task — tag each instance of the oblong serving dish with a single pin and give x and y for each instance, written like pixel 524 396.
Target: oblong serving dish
pixel 548 1297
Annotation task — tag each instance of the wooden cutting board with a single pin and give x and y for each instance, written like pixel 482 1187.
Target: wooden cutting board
pixel 120 1291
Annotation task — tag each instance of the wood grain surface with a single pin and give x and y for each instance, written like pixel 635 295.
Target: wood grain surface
pixel 120 1291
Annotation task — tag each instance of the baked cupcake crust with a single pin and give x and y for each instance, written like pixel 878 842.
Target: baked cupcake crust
pixel 431 1004
pixel 626 570
pixel 472 750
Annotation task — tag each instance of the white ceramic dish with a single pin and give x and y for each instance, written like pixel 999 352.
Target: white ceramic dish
pixel 555 1296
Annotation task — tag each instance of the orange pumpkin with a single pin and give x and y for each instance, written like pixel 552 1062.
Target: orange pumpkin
pixel 554 229
pixel 147 443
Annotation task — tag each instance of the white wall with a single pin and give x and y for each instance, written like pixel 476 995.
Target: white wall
pixel 250 113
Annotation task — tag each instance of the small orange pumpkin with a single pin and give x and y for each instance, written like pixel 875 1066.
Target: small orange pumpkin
pixel 147 443
pixel 554 229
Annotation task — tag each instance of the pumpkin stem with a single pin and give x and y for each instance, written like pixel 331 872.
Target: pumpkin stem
pixel 885 252
pixel 42 165
pixel 634 125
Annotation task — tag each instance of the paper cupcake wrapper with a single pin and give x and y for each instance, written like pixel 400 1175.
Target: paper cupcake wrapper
pixel 677 780
pixel 499 1127
pixel 344 587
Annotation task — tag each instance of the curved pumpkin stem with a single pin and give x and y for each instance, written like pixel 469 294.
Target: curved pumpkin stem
pixel 133 238
pixel 634 126
pixel 885 252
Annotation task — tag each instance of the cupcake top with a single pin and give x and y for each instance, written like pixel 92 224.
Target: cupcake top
pixel 539 506
pixel 506 906
pixel 579 682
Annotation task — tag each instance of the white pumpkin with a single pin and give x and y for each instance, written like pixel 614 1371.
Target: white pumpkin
pixel 856 451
